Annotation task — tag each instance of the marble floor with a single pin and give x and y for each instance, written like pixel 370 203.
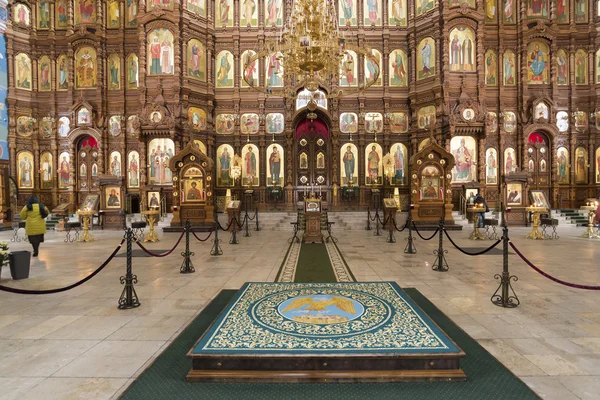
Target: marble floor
pixel 77 344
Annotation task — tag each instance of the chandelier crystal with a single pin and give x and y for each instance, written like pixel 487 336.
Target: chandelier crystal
pixel 309 52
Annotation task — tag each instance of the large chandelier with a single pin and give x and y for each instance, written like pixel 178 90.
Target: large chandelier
pixel 309 52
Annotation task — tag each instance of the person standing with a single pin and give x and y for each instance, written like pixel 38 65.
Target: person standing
pixel 33 214
pixel 480 201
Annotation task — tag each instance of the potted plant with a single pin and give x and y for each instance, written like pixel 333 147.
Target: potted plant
pixel 4 255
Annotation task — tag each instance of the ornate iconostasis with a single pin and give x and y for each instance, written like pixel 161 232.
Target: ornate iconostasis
pixel 120 87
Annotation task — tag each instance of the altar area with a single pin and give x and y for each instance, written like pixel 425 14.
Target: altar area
pixel 324 332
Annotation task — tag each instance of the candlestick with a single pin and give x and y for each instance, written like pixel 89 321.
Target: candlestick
pixel 320 190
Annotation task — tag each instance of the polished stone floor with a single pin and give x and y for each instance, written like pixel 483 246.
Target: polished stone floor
pixel 77 344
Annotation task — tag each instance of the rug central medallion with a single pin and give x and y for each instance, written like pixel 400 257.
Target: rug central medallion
pixel 321 309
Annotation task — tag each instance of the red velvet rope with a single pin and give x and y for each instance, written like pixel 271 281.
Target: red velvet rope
pixel 63 289
pixel 166 253
pixel 203 240
pixel 539 271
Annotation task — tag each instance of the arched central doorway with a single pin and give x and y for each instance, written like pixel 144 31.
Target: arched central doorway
pixel 538 161
pixel 311 147
pixel 86 167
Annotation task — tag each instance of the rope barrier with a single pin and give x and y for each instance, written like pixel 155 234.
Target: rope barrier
pixel 221 226
pixel 166 253
pixel 396 226
pixel 202 240
pixel 466 252
pixel 253 218
pixel 64 289
pixel 242 224
pixel 385 221
pixel 421 236
pixel 565 283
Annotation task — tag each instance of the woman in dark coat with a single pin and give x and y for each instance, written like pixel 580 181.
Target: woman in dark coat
pixel 33 214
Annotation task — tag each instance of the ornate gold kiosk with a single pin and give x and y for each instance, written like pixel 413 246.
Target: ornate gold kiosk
pixel 192 187
pixel 312 213
pixel 431 185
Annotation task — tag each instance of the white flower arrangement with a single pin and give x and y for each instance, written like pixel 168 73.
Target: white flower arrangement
pixel 4 253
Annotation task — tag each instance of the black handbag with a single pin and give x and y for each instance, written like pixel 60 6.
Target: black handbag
pixel 43 211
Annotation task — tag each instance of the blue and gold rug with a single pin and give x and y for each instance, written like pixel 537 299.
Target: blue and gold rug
pixel 323 318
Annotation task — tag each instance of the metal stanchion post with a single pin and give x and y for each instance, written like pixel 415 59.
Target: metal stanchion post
pixel 256 217
pixel 368 228
pixel 233 239
pixel 410 247
pixel 246 222
pixel 187 267
pixel 129 298
pixel 505 299
pixel 377 230
pixel 216 249
pixel 391 238
pixel 440 263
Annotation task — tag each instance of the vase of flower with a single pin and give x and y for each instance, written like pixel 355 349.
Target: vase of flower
pixel 4 255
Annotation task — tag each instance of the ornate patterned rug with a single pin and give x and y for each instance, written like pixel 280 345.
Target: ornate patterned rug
pixel 365 318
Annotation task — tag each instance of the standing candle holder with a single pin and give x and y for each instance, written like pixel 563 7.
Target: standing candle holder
pixel 535 234
pixel 591 232
pixel 476 235
pixel 151 218
pixel 86 215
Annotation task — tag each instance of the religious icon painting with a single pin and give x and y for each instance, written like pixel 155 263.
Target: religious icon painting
pixel 25 126
pixel 201 147
pixel 562 67
pixel 397 12
pixel 580 119
pixel 132 71
pixel 197 7
pixel 462 49
pixel 46 170
pixel 303 161
pixel 399 122
pixel 537 63
pixel 274 123
pixel 161 56
pixel 458 3
pixel 133 169
pixel 426 117
pixel 197 118
pixel 23 72
pixel 132 125
pixel 153 199
pixel 275 165
pixel 492 122
pixel 349 69
pixel 25 170
pixel 597 162
pixel 160 152
pixel 46 127
pixel 491 14
pixel 348 164
pixel 398 68
pixel 64 170
pixel 372 12
pixel 114 125
pixel 514 194
pixel 112 197
pixel 21 14
pixel 225 123
pixel 131 14
pixel 542 165
pixel 491 166
pixel 510 121
pixel 250 68
pixel 196 60
pixel 399 158
pixel 224 70
pixel 464 150
pixel 193 190
pixel 373 123
pixel 423 6
pixel 43 17
pixel 597 61
pixel 426 58
pixel 273 13
pixel 249 124
pixel 424 143
pixel 168 4
pixel 274 70
pixel 510 161
pixel 250 165
pixel 347 12
pixel 581 10
pixel 581 165
pixel 60 20
pixel 63 127
pixel 373 164
pixel 562 121
pixel 155 117
pixel 509 12
pixel 85 68
pixel 538 8
pixel 581 67
pixel 348 123
pixel 305 96
pixel 225 158
pixel 562 11
pixel 114 72
pixel 62 67
pixel 224 13
pixel 84 116
pixel 115 163
pixel 562 162
pixel 320 164
pixel 373 74
pixel 531 166
pixel 113 20
pixel 491 68
pixel 85 12
pixel 248 13
pixel 509 68
pixel 430 183
pixel 541 112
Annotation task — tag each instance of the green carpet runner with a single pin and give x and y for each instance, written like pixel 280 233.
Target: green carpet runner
pixel 314 264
